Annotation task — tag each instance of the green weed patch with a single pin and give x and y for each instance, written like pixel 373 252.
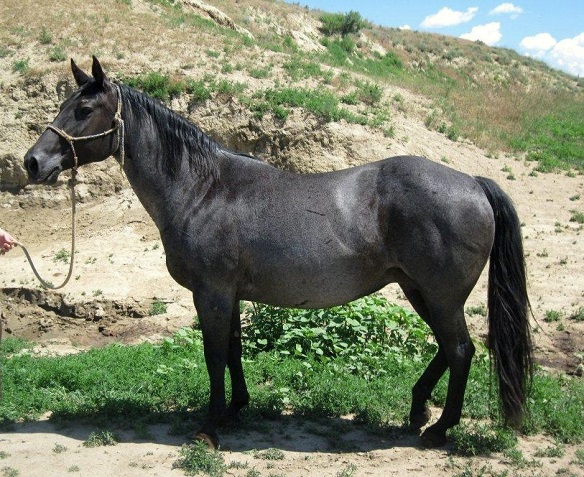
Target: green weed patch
pixel 360 359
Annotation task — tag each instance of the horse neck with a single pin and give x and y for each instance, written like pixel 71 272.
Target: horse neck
pixel 163 195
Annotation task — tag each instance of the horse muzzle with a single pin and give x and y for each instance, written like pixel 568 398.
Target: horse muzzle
pixel 41 171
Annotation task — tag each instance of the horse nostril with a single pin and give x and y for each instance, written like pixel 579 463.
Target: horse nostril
pixel 32 166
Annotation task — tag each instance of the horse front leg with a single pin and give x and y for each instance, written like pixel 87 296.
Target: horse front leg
pixel 214 309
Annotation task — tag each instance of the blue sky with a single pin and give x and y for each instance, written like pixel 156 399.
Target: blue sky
pixel 550 30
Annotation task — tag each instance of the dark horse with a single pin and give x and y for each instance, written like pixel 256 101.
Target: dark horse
pixel 235 228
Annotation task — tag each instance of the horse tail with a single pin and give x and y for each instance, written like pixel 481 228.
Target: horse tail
pixel 508 304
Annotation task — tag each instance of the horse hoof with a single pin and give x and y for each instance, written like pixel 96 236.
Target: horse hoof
pixel 210 439
pixel 419 420
pixel 432 439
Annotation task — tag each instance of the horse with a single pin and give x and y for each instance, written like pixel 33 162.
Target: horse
pixel 235 228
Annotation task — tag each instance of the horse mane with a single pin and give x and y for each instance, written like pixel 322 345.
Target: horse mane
pixel 180 140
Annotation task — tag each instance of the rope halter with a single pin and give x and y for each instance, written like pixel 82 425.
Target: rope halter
pixel 118 127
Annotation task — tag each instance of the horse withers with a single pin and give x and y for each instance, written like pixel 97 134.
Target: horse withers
pixel 236 228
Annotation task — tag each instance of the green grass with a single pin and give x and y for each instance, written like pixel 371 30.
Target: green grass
pixel 577 217
pixel 342 24
pixel 157 308
pixel 157 85
pixel 554 139
pixel 20 66
pixel 321 102
pixel 362 359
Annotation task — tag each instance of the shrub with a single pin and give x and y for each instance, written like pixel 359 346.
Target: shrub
pixel 370 93
pixel 368 328
pixel 342 24
pixel 196 459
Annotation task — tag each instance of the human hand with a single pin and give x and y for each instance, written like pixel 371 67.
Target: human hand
pixel 7 242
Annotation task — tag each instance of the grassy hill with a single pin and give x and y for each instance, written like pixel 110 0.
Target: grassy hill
pixel 272 58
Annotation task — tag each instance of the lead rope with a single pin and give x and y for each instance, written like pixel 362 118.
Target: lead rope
pixel 45 283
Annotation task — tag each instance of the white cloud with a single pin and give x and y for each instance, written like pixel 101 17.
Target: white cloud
pixel 507 8
pixel 448 17
pixel 566 55
pixel 405 27
pixel 489 33
pixel 538 45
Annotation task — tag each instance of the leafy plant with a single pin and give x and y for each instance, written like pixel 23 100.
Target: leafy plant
pixel 320 101
pixel 101 438
pixel 471 439
pixel 577 217
pixel 62 256
pixel 579 454
pixel 555 451
pixel 57 54
pixel 197 458
pixel 157 85
pixel 364 330
pixel 10 472
pixel 552 316
pixel 369 93
pixel 476 310
pixel 270 454
pixel 59 448
pixel 157 308
pixel 578 315
pixel 45 37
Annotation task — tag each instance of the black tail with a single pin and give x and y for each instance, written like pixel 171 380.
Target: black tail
pixel 508 303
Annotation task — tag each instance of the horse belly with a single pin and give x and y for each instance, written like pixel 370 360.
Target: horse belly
pixel 318 283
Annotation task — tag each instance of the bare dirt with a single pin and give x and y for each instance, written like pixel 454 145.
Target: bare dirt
pixel 120 270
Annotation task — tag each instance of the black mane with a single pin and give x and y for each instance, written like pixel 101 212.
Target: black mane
pixel 180 140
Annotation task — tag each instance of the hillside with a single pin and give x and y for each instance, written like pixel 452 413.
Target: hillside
pixel 261 77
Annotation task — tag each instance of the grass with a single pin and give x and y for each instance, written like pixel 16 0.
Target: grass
pixel 20 66
pixel 577 217
pixel 353 373
pixel 157 308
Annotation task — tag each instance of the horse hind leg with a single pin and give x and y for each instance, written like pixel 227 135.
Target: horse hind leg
pixel 455 353
pixel 419 412
pixel 239 393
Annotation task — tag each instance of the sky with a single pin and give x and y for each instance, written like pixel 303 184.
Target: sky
pixel 549 30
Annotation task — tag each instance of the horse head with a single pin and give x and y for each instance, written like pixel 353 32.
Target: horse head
pixel 87 128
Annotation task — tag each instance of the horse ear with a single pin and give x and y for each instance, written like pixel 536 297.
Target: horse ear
pixel 80 76
pixel 98 73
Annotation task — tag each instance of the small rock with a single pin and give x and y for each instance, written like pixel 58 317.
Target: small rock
pixel 45 324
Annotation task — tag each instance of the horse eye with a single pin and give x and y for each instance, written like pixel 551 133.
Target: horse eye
pixel 84 112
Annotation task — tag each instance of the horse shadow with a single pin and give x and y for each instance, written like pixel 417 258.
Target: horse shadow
pixel 287 432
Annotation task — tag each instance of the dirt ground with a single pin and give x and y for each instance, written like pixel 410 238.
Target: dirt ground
pixel 120 270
